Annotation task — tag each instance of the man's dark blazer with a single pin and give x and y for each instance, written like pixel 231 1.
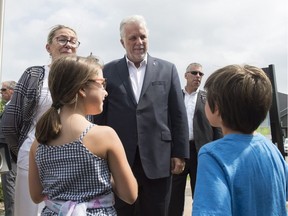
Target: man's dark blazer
pixel 8 156
pixel 202 130
pixel 157 124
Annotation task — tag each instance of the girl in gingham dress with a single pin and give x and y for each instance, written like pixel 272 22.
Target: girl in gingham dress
pixel 74 164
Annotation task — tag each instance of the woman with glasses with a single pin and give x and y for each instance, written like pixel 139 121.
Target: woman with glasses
pixel 30 100
pixel 71 158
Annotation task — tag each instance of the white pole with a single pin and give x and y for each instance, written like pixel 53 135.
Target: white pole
pixel 2 10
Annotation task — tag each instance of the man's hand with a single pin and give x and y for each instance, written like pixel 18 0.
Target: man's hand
pixel 177 165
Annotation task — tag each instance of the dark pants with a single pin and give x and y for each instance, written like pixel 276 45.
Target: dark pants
pixel 153 195
pixel 8 186
pixel 176 206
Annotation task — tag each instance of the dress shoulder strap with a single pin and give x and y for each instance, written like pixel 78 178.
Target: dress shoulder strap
pixel 86 131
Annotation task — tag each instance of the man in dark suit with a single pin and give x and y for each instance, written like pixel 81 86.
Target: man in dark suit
pixel 145 107
pixel 8 178
pixel 200 133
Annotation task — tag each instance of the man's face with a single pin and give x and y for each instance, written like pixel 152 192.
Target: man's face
pixel 193 76
pixel 135 42
pixel 6 92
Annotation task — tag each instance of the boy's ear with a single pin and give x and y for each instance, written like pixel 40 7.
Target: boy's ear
pixel 216 110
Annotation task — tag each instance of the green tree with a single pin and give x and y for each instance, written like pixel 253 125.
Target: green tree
pixel 2 104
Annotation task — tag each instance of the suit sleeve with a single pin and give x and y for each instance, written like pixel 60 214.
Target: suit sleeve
pixel 12 121
pixel 16 112
pixel 178 118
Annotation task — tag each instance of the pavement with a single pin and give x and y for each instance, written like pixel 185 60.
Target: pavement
pixel 188 200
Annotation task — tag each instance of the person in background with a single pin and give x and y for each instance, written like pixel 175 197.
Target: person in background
pixel 145 107
pixel 7 91
pixel 8 178
pixel 30 100
pixel 200 133
pixel 242 173
pixel 70 168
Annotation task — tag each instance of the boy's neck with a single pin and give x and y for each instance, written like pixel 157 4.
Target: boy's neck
pixel 227 131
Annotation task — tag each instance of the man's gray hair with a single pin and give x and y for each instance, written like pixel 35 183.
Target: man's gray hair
pixel 132 19
pixel 193 65
pixel 10 84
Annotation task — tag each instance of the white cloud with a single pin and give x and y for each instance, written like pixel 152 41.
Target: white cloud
pixel 212 32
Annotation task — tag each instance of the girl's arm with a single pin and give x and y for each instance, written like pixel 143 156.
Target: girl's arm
pixel 35 185
pixel 124 182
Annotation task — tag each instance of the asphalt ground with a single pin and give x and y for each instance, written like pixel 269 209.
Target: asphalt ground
pixel 188 201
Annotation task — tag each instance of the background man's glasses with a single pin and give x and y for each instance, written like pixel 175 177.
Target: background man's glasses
pixel 3 89
pixel 72 42
pixel 196 73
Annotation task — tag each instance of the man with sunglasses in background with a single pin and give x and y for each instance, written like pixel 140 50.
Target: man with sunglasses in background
pixel 200 133
pixel 8 178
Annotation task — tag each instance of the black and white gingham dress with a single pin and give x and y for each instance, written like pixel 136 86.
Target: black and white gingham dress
pixel 72 172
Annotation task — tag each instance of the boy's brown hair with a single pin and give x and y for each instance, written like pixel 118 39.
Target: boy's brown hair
pixel 242 94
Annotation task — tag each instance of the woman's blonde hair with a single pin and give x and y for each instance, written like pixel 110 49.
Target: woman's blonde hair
pixel 55 28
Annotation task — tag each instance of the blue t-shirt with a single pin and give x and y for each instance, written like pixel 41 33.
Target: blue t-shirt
pixel 240 175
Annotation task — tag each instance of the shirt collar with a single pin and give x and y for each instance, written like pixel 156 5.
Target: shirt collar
pixel 142 62
pixel 195 92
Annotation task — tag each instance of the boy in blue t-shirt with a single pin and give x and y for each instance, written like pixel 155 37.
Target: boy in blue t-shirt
pixel 243 173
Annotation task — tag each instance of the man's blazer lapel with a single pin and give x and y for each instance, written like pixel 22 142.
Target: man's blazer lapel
pixel 149 74
pixel 200 103
pixel 123 72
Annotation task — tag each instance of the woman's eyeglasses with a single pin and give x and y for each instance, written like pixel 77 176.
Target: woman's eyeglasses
pixel 195 73
pixel 99 81
pixel 64 40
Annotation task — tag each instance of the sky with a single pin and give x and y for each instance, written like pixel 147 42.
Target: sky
pixel 214 33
